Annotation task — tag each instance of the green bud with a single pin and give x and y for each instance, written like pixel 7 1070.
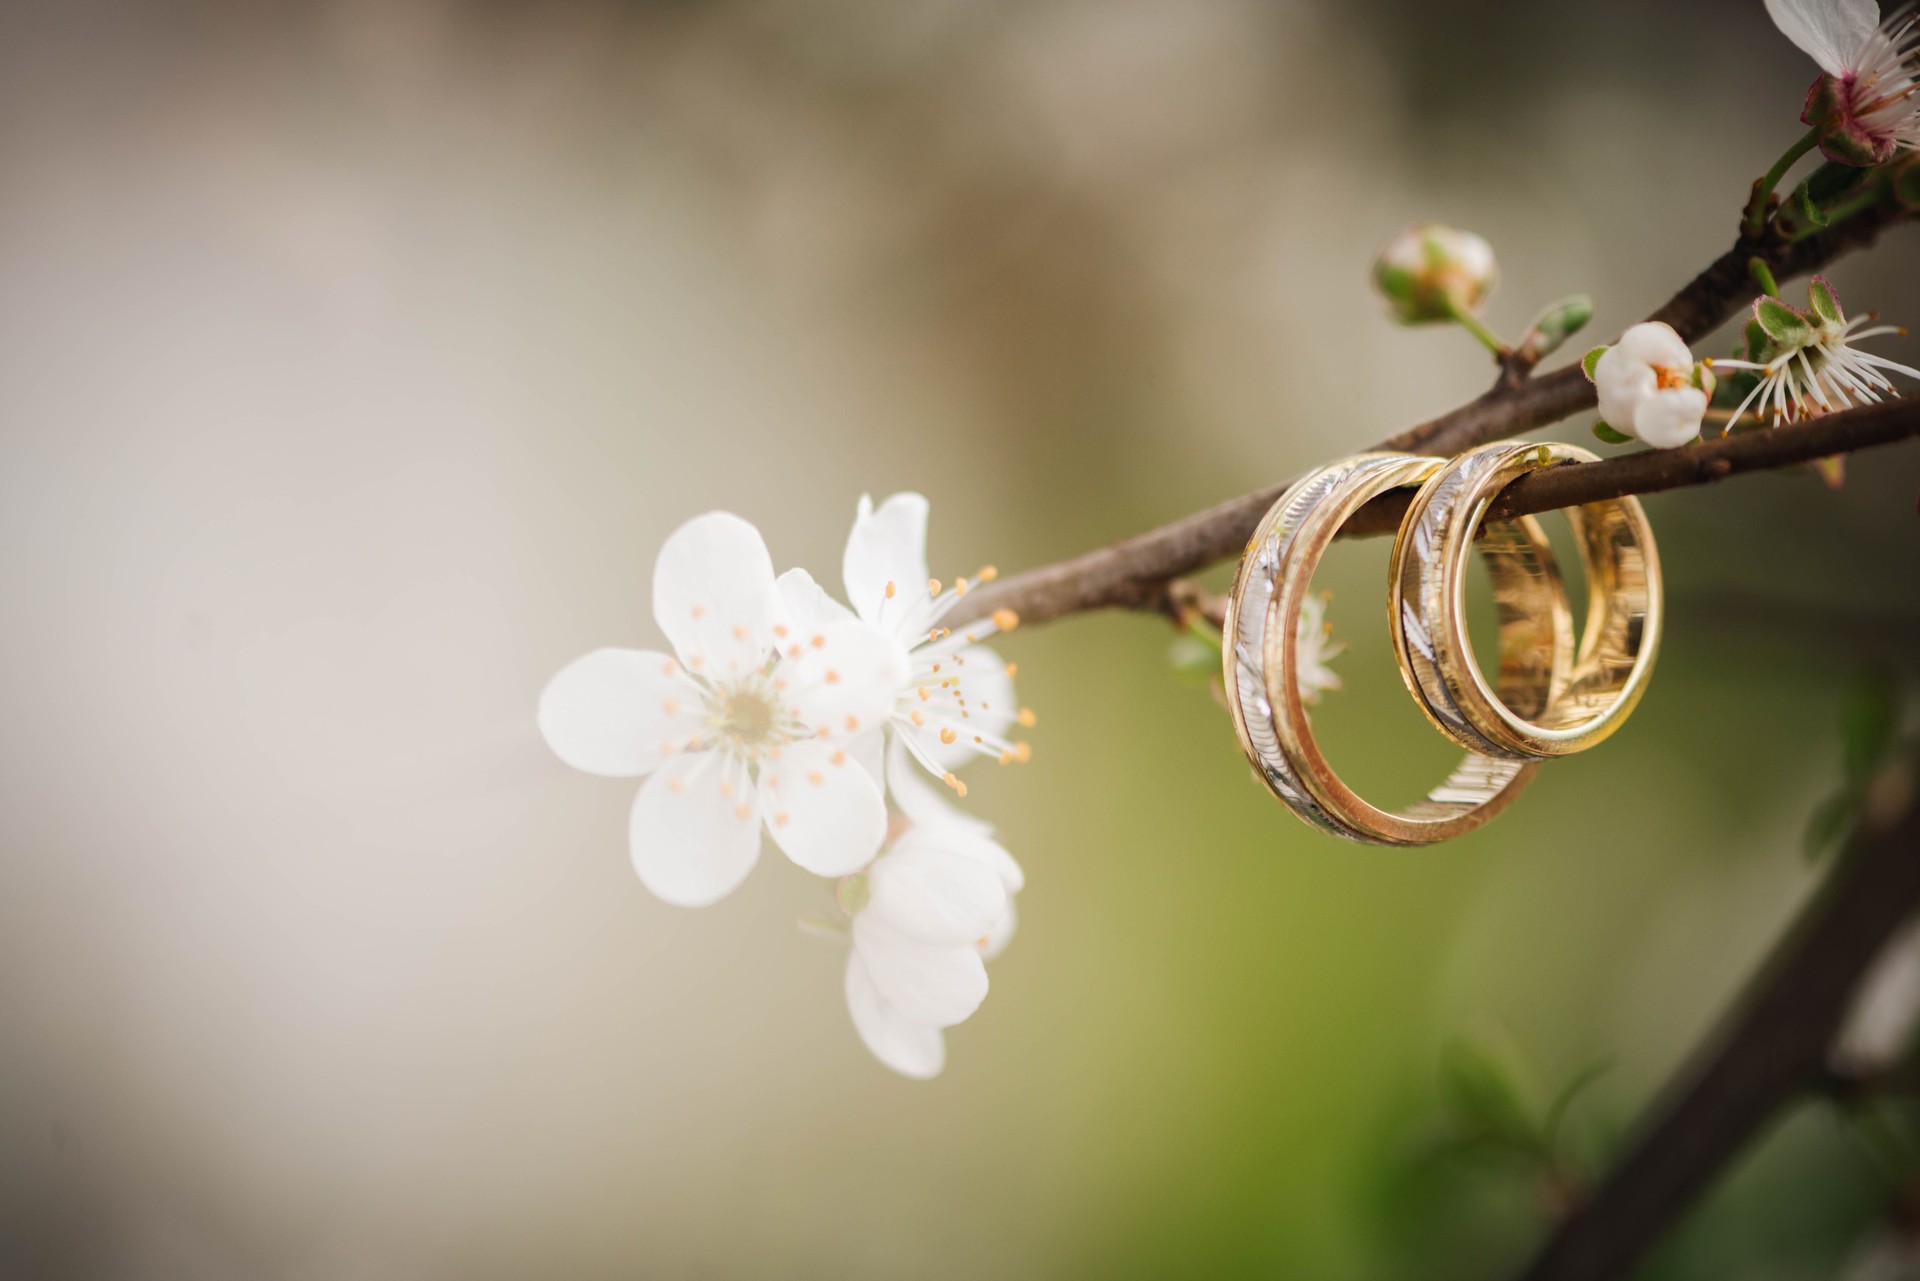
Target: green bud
pixel 1429 271
pixel 1588 361
pixel 1553 326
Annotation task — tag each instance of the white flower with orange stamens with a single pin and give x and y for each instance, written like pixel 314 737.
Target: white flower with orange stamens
pixel 1313 647
pixel 754 720
pixel 956 700
pixel 1650 386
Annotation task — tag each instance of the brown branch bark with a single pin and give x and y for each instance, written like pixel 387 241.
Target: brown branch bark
pixel 1771 1051
pixel 1133 573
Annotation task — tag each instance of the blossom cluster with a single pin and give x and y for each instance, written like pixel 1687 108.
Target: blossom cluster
pixel 785 711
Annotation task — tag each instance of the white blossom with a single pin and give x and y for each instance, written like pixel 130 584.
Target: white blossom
pixel 1314 646
pixel 1650 386
pixel 955 699
pixel 1429 270
pixel 1866 105
pixel 931 910
pixel 754 719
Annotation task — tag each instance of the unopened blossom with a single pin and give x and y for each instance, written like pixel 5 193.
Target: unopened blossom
pixel 1314 646
pixel 927 915
pixel 1431 273
pixel 1864 103
pixel 955 700
pixel 1651 387
pixel 1815 368
pixel 752 720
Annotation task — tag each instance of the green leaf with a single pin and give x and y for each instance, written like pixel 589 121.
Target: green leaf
pixel 1757 342
pixel 1869 720
pixel 1485 1095
pixel 1782 323
pixel 1825 301
pixel 1608 434
pixel 1829 824
pixel 1588 361
pixel 1810 212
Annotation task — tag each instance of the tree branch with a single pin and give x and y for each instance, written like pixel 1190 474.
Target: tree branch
pixel 1771 1051
pixel 1133 573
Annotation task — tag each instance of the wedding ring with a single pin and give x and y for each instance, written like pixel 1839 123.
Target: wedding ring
pixel 1426 595
pixel 1260 658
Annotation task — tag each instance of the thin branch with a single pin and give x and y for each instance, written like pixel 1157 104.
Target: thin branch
pixel 1771 1051
pixel 1654 470
pixel 1133 573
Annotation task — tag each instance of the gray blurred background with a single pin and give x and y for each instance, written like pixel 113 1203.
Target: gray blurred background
pixel 355 359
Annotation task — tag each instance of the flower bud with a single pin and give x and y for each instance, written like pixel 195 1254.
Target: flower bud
pixel 1429 272
pixel 1553 326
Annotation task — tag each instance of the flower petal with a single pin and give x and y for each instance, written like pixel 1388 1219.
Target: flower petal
pixel 694 832
pixel 714 594
pixel 808 606
pixel 984 692
pixel 1671 417
pixel 1831 32
pixel 842 679
pixel 910 1050
pixel 823 809
pixel 619 712
pixel 1002 934
pixel 1622 384
pixel 887 545
pixel 926 890
pixel 925 985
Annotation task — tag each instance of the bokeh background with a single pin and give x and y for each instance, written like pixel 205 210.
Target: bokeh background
pixel 355 358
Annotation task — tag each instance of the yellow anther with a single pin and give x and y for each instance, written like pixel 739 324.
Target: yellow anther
pixel 740 631
pixel 833 677
pixel 947 735
pixel 793 651
pixel 839 758
pixel 780 630
pixel 959 587
pixel 919 717
pixel 819 642
pixel 1013 669
pixel 1023 752
pixel 676 785
pixel 988 573
pixel 1006 757
pixel 1027 718
pixel 959 788
pixel 781 820
pixel 697 662
pixel 817 778
pixel 743 810
pixel 726 790
pixel 924 695
pixel 671 707
pixel 669 667
pixel 1005 619
pixel 699 612
pixel 826 731
pixel 669 748
pixel 853 724
pixel 890 589
pixel 933 587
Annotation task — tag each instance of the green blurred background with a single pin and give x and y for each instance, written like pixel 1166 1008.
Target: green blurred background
pixel 355 359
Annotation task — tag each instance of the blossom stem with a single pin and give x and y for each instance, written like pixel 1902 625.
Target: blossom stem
pixel 1762 190
pixel 1763 276
pixel 1475 326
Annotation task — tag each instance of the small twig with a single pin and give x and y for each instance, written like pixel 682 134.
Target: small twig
pixel 1772 1050
pixel 1133 573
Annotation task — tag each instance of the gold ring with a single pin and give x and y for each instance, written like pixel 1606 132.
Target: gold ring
pixel 1426 595
pixel 1260 662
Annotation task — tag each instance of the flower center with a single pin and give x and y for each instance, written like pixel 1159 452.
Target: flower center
pixel 746 719
pixel 1667 377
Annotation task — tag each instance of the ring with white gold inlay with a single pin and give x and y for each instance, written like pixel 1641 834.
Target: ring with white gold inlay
pixel 1261 665
pixel 1426 607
